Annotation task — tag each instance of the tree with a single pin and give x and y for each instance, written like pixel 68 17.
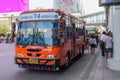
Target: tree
pixel 4 30
pixel 4 26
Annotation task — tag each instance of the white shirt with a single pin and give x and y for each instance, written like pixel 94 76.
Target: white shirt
pixel 108 42
pixel 103 36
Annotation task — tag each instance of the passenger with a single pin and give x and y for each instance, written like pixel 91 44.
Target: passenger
pixel 97 38
pixel 87 43
pixel 110 33
pixel 108 46
pixel 93 44
pixel 102 45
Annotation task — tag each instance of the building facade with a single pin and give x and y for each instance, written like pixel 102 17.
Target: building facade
pixel 71 6
pixel 9 6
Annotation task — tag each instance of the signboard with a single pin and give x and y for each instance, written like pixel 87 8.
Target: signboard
pixel 7 6
pixel 67 2
pixel 39 16
pixel 109 2
pixel 71 6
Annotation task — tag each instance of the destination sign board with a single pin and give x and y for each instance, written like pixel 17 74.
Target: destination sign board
pixel 39 16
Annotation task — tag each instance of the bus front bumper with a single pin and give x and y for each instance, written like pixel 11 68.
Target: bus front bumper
pixel 38 64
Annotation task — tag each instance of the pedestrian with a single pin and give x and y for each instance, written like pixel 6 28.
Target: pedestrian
pixel 110 33
pixel 108 46
pixel 102 44
pixel 87 43
pixel 7 38
pixel 97 38
pixel 93 43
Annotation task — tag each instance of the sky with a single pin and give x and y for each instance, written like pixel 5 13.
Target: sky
pixel 41 4
pixel 90 6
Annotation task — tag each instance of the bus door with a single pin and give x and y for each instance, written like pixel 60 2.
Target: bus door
pixel 63 35
pixel 74 40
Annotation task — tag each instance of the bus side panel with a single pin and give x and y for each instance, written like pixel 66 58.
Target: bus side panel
pixel 65 49
pixel 79 44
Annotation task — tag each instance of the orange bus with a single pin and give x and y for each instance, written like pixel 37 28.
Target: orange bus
pixel 48 39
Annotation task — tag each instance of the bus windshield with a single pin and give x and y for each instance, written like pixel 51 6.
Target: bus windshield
pixel 40 33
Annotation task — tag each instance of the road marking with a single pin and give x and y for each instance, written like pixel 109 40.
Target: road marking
pixel 83 72
pixel 87 66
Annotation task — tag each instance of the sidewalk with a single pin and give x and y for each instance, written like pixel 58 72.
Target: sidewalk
pixel 100 71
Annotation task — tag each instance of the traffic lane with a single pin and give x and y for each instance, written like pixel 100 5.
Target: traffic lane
pixel 6 49
pixel 10 71
pixel 6 59
pixel 7 66
pixel 6 46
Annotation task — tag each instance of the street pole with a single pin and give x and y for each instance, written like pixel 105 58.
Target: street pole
pixel 11 19
pixel 106 14
pixel 12 29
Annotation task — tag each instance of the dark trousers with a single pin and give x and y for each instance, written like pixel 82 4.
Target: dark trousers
pixel 103 49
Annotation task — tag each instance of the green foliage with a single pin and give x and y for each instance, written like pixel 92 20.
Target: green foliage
pixel 3 30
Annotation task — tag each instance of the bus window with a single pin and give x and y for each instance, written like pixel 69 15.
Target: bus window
pixel 69 32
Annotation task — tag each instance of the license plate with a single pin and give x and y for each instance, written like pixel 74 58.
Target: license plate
pixel 33 61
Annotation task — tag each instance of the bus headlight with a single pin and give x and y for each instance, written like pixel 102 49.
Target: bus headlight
pixel 51 56
pixel 19 55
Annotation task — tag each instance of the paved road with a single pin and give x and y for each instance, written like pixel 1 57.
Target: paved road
pixel 79 70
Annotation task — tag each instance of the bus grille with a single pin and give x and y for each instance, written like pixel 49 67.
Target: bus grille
pixel 33 55
pixel 34 50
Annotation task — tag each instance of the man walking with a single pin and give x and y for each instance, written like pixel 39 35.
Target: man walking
pixel 102 43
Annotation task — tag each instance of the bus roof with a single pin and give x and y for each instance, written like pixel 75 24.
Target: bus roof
pixel 43 10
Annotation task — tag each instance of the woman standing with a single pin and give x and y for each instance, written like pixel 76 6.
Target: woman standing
pixel 93 44
pixel 108 46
